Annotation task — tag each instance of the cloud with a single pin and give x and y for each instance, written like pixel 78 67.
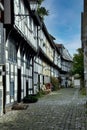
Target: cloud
pixel 64 22
pixel 63 13
pixel 53 14
pixel 72 45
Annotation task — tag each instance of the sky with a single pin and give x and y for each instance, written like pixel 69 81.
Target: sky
pixel 64 22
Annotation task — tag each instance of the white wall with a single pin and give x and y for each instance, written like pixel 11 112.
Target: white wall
pixel 77 83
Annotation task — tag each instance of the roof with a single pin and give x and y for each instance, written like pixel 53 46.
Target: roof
pixel 59 45
pixel 64 52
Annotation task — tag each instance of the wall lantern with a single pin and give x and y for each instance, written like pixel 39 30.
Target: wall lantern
pixel 33 4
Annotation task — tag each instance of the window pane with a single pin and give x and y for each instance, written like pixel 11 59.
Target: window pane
pixel 12 88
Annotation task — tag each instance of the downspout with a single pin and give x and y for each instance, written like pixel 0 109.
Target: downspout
pixel 4 89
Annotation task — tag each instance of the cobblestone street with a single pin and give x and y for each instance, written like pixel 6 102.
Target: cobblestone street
pixel 62 110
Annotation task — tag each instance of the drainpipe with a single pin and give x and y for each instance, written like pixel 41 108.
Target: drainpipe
pixel 4 89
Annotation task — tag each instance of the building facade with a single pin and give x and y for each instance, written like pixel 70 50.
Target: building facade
pixel 66 65
pixel 84 40
pixel 28 55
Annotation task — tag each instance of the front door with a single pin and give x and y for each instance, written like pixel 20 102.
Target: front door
pixel 19 86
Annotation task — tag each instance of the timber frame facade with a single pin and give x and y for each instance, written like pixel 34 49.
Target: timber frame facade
pixel 28 54
pixel 66 65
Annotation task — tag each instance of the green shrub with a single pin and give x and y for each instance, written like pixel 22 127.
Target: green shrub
pixel 85 112
pixel 55 83
pixel 30 99
pixel 41 93
pixel 83 91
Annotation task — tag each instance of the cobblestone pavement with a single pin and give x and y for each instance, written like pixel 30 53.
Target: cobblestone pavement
pixel 62 110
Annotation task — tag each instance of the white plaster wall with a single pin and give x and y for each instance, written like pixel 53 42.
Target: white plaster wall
pixel 77 83
pixel 18 59
pixel 7 83
pixel 7 99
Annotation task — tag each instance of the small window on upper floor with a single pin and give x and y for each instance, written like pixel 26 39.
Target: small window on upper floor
pixel 12 88
pixel 28 59
pixel 30 23
pixel 35 31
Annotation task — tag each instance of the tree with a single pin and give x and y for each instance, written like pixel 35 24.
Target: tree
pixel 42 11
pixel 78 65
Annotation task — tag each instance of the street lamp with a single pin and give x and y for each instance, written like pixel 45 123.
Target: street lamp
pixel 33 4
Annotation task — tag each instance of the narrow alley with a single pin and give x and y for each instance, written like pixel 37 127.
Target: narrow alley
pixel 61 110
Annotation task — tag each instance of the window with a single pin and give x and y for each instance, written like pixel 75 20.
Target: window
pixel 22 59
pixel 12 51
pixel 11 88
pixel 30 23
pixel 35 32
pixel 26 18
pixel 28 58
pixel 27 64
pixel 35 78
